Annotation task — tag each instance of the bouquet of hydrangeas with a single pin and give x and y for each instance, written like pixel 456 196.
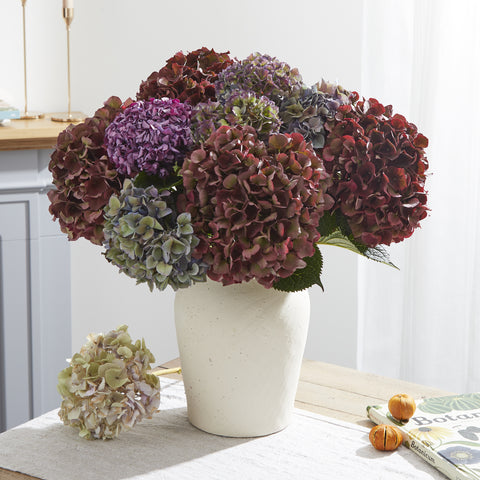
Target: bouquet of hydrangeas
pixel 237 170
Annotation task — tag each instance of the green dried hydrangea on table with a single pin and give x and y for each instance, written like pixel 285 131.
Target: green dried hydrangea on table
pixel 108 386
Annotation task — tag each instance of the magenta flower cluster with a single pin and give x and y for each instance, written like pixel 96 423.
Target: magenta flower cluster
pixel 149 136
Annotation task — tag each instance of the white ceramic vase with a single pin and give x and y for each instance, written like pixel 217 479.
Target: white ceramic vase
pixel 241 349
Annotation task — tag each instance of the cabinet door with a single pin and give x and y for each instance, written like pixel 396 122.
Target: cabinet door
pixel 15 314
pixel 35 306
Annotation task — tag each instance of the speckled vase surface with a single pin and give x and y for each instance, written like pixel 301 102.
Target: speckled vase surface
pixel 241 348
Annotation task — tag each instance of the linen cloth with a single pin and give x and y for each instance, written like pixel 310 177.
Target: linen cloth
pixel 168 447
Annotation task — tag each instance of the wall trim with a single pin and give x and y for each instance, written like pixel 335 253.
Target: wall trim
pixel 27 188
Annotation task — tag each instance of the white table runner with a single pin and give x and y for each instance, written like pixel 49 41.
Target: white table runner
pixel 168 447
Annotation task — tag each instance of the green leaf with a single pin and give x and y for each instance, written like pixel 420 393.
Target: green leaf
pixel 379 254
pixel 330 222
pixel 143 180
pixel 338 239
pixel 327 224
pixel 304 277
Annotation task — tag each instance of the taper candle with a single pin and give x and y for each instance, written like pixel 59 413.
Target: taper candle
pixel 27 115
pixel 67 12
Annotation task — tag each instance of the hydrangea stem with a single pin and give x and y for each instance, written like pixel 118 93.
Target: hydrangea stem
pixel 167 371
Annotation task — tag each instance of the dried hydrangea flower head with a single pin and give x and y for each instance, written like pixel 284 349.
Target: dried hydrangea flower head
pixel 83 175
pixel 245 108
pixel 239 108
pixel 149 136
pixel 269 166
pixel 254 207
pixel 146 241
pixel 189 77
pixel 108 388
pixel 308 113
pixel 261 75
pixel 378 164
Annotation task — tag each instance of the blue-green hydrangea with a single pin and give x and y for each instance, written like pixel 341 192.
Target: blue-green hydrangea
pixel 308 113
pixel 147 241
pixel 239 108
pixel 245 108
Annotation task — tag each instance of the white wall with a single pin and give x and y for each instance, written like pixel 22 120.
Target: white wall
pixel 117 43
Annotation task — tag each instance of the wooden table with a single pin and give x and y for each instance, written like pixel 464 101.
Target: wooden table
pixel 31 134
pixel 329 390
pixel 344 393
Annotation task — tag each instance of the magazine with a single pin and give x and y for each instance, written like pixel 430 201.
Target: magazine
pixel 444 431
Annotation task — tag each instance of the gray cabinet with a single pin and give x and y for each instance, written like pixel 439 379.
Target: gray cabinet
pixel 35 312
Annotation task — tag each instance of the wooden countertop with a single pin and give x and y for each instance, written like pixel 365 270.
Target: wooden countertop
pixel 329 390
pixel 31 134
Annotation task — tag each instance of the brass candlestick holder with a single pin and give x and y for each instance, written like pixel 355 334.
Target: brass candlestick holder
pixel 26 114
pixel 68 116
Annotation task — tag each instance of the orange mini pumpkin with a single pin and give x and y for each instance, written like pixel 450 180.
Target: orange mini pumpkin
pixel 385 437
pixel 402 406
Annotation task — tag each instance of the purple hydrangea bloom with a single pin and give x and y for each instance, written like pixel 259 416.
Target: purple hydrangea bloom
pixel 205 119
pixel 149 136
pixel 262 75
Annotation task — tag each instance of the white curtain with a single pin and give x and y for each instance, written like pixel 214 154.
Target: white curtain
pixel 422 323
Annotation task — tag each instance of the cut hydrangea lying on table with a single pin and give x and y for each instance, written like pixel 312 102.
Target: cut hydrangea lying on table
pixel 237 170
pixel 108 386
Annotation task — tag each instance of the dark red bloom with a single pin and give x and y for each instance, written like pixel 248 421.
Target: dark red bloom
pixel 378 165
pixel 254 207
pixel 84 177
pixel 188 77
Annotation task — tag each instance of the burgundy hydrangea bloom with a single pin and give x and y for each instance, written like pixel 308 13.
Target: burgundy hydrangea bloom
pixel 188 77
pixel 254 207
pixel 149 136
pixel 378 164
pixel 84 177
